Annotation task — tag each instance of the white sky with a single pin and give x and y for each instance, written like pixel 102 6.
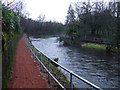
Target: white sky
pixel 52 9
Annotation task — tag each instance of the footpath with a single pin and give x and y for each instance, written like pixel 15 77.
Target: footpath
pixel 25 72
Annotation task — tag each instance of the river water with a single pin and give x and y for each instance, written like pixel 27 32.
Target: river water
pixel 94 65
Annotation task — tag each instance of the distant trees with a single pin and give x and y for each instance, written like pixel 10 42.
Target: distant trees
pixel 40 27
pixel 94 21
pixel 118 25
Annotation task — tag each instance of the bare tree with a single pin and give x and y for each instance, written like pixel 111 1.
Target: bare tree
pixel 41 18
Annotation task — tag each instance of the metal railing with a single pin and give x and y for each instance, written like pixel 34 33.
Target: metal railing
pixel 49 73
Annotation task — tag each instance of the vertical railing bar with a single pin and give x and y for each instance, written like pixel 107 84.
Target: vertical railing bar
pixel 41 59
pixel 71 85
pixel 48 69
pixel 53 76
pixel 37 60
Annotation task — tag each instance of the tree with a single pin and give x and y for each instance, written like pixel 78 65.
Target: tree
pixel 118 25
pixel 95 20
pixel 71 15
pixel 70 22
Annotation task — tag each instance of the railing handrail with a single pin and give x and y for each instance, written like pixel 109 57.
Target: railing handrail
pixel 71 72
pixel 79 77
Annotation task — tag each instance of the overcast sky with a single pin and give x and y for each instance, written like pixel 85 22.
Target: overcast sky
pixel 52 9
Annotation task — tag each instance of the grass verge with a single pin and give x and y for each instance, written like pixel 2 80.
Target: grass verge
pixel 57 74
pixel 100 47
pixel 93 45
pixel 54 70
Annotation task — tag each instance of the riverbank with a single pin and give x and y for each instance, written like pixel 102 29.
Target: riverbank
pixel 54 70
pixel 43 36
pixel 91 64
pixel 94 45
pixel 99 47
pixel 78 43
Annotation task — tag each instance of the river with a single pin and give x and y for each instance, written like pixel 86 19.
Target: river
pixel 94 65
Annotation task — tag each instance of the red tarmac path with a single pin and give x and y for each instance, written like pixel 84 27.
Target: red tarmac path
pixel 25 73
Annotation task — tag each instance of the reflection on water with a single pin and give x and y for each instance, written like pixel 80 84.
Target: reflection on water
pixel 93 65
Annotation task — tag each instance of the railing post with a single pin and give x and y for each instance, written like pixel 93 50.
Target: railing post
pixel 36 59
pixel 71 85
pixel 41 60
pixel 48 69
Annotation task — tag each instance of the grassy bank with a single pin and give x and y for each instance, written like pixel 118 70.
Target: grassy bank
pixel 78 43
pixel 57 74
pixel 100 47
pixel 95 46
pixel 54 70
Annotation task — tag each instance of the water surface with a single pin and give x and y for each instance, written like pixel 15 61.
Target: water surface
pixel 96 66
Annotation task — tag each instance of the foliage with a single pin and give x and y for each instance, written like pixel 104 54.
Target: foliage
pixel 94 21
pixel 10 20
pixel 11 31
pixel 10 25
pixel 38 28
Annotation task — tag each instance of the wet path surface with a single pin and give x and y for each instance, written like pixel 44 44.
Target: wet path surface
pixel 96 66
pixel 25 72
